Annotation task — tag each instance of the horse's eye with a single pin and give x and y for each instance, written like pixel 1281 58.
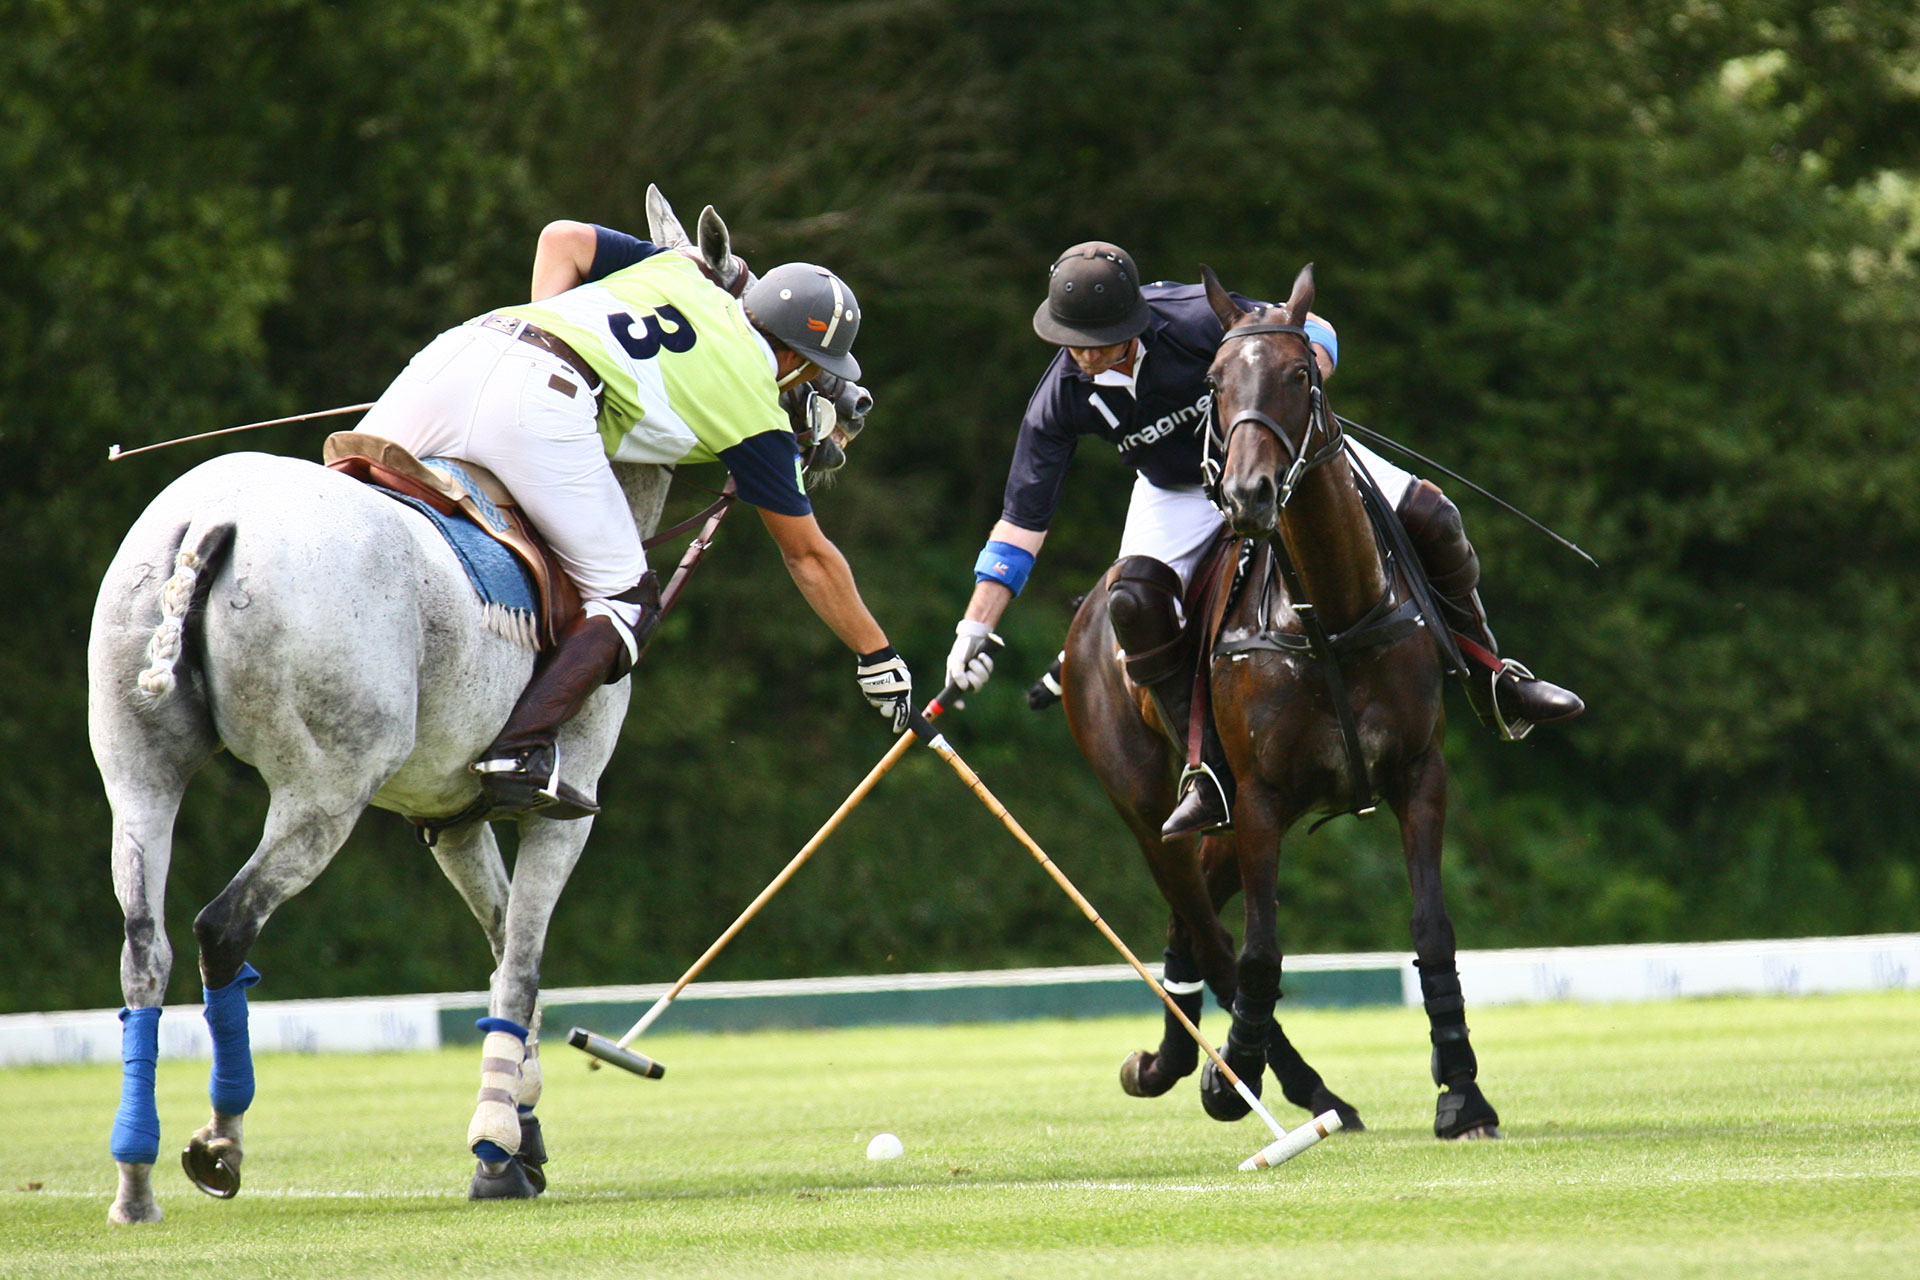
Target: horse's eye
pixel 1300 374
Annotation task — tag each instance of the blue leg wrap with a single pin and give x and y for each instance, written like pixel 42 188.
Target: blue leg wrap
pixel 231 1086
pixel 490 1152
pixel 504 1024
pixel 136 1125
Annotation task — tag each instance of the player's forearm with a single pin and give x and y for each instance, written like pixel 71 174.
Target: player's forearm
pixel 826 582
pixel 990 599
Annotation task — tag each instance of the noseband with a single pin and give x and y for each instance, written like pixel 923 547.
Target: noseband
pixel 1214 449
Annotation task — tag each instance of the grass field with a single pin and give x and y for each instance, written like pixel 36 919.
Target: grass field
pixel 1742 1138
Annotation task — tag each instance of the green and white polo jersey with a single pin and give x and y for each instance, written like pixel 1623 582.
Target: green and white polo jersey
pixel 686 375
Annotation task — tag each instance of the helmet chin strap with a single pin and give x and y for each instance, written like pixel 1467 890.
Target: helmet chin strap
pixel 794 376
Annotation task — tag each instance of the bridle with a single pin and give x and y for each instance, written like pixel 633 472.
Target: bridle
pixel 1382 624
pixel 1301 458
pixel 817 410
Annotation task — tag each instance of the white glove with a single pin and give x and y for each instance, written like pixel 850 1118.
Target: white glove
pixel 971 660
pixel 888 685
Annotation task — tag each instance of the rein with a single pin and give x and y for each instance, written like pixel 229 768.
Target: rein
pixel 1383 624
pixel 716 508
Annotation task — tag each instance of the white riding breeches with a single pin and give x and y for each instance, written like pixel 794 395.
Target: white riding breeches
pixel 1175 526
pixel 479 395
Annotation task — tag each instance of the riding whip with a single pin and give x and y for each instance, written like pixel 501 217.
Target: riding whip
pixel 616 1051
pixel 1375 437
pixel 115 452
pixel 1285 1145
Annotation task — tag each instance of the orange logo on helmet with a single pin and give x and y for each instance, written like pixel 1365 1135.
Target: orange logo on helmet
pixel 818 326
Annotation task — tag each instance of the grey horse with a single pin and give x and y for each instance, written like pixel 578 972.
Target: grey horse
pixel 326 635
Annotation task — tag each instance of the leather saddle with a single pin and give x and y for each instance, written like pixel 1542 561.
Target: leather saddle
pixel 456 488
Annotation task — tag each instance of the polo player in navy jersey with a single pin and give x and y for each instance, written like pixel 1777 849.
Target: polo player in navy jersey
pixel 1132 371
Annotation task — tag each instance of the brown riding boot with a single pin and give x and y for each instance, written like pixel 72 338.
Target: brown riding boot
pixel 1508 698
pixel 520 772
pixel 1143 603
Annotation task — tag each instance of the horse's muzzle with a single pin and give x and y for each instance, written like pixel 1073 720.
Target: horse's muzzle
pixel 1252 508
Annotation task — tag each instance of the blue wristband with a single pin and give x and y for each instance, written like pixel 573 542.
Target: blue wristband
pixel 1004 563
pixel 1320 331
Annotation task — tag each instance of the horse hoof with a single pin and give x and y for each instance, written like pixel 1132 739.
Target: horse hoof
pixel 535 1174
pixel 1325 1099
pixel 126 1215
pixel 511 1183
pixel 1220 1100
pixel 1145 1075
pixel 1464 1112
pixel 214 1167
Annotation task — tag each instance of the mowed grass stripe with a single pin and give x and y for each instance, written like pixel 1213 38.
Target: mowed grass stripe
pixel 1707 1138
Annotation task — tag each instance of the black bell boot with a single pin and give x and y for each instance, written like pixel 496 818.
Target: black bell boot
pixel 1508 698
pixel 520 772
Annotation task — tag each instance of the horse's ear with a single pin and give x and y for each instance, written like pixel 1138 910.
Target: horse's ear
pixel 1224 307
pixel 716 247
pixel 1302 300
pixel 663 226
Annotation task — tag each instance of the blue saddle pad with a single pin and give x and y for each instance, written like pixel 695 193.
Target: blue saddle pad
pixel 496 573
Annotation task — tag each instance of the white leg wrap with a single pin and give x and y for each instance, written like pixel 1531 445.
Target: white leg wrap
pixel 496 1118
pixel 530 1078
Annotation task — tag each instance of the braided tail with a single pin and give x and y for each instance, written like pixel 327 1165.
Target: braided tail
pixel 199 550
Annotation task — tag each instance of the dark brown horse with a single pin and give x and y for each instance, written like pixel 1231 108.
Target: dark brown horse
pixel 1319 592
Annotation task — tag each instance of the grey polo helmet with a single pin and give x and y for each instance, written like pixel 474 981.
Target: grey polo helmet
pixel 811 310
pixel 1093 298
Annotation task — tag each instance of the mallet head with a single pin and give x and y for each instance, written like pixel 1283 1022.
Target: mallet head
pixel 1284 1149
pixel 609 1052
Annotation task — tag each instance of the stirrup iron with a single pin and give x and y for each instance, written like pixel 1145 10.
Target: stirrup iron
pixel 1519 727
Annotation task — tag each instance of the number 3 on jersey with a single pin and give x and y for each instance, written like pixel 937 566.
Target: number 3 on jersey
pixel 645 345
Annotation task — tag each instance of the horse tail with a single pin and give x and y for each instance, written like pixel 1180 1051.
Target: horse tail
pixel 199 553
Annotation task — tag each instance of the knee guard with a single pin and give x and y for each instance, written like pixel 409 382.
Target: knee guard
pixel 1433 525
pixel 634 613
pixel 1143 603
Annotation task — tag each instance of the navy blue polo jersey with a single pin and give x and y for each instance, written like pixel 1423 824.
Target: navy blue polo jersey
pixel 1158 429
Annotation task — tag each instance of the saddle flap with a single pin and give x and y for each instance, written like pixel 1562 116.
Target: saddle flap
pixel 450 486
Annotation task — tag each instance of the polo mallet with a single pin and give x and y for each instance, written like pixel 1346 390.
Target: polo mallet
pixel 115 452
pixel 1285 1145
pixel 616 1051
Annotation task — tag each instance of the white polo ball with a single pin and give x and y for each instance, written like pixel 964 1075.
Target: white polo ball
pixel 884 1147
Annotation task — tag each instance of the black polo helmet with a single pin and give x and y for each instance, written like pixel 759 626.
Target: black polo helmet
pixel 1093 298
pixel 811 310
